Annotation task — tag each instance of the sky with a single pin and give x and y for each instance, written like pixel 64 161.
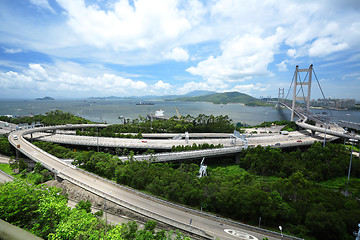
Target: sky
pixel 99 48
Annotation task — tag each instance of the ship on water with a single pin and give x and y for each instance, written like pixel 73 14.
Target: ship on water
pixel 144 103
pixel 159 114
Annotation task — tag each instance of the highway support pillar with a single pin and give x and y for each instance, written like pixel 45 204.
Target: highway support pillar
pixel 313 133
pixel 17 154
pixel 31 137
pixel 237 158
pixel 54 132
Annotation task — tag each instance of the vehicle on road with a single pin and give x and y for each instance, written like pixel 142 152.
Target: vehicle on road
pixel 15 137
pixel 277 144
pixel 299 141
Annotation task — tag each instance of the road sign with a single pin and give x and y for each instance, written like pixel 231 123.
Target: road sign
pixel 18 146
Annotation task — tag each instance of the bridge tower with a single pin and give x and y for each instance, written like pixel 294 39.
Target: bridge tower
pixel 304 83
pixel 280 96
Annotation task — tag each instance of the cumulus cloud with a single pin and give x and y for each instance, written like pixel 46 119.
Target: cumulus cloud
pixel 38 77
pixel 241 57
pixel 291 52
pixel 282 67
pixel 325 46
pixel 161 85
pixel 192 86
pixel 228 42
pixel 178 54
pixel 126 27
pixel 251 88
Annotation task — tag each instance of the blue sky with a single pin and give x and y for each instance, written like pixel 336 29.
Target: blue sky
pixel 83 48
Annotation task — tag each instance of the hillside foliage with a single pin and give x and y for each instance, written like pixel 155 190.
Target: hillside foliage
pixel 55 117
pixel 44 211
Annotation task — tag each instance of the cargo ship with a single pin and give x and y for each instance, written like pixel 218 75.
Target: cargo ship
pixel 144 103
pixel 159 114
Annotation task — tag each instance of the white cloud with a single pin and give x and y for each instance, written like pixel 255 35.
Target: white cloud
pixel 192 86
pixel 325 46
pixel 42 4
pixel 13 50
pixel 37 72
pixel 291 52
pixel 229 42
pixel 282 67
pixel 144 26
pixel 43 78
pixel 242 56
pixel 178 54
pixel 11 80
pixel 251 88
pixel 161 85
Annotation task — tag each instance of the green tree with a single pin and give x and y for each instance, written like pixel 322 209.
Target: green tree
pixel 324 224
pixel 85 205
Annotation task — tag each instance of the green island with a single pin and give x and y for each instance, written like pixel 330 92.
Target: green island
pixel 225 98
pixel 299 189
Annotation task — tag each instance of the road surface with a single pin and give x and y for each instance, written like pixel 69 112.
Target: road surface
pixel 176 216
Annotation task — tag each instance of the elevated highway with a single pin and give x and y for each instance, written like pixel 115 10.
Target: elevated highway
pixel 203 225
pixel 293 139
pixel 331 129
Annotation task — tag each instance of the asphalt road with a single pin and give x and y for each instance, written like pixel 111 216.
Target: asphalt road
pixel 269 139
pixel 212 227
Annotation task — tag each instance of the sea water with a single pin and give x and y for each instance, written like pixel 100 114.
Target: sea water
pixel 110 111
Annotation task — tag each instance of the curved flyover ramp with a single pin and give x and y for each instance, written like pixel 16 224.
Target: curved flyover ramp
pixel 203 225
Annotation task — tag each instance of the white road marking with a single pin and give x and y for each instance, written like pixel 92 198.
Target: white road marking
pixel 239 234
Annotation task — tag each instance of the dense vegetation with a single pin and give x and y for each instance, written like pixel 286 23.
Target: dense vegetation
pixel 56 150
pixel 5 147
pixel 56 117
pixel 195 146
pixel 289 125
pixel 294 199
pixel 43 211
pixel 221 98
pixel 199 124
pixel 283 188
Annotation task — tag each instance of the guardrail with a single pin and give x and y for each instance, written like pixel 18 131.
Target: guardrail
pixel 302 123
pixel 139 210
pixel 249 227
pixel 173 156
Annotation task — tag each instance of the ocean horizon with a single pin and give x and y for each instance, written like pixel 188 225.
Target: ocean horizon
pixel 109 110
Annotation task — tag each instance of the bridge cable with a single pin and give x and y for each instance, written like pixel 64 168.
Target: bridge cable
pixel 326 101
pixel 290 86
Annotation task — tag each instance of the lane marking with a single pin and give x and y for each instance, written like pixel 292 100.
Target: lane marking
pixel 241 235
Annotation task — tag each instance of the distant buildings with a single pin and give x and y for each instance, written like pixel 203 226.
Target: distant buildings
pixel 334 103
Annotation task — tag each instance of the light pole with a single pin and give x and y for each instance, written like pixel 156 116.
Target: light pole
pixel 357 234
pixel 282 236
pixel 325 131
pixel 97 139
pixel 352 148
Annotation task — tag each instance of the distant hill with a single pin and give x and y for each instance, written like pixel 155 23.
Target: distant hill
pixel 221 98
pixel 45 99
pixel 198 93
pixel 167 97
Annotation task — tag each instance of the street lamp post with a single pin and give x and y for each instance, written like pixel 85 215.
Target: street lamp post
pixel 357 234
pixel 97 139
pixel 352 148
pixel 325 131
pixel 282 236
